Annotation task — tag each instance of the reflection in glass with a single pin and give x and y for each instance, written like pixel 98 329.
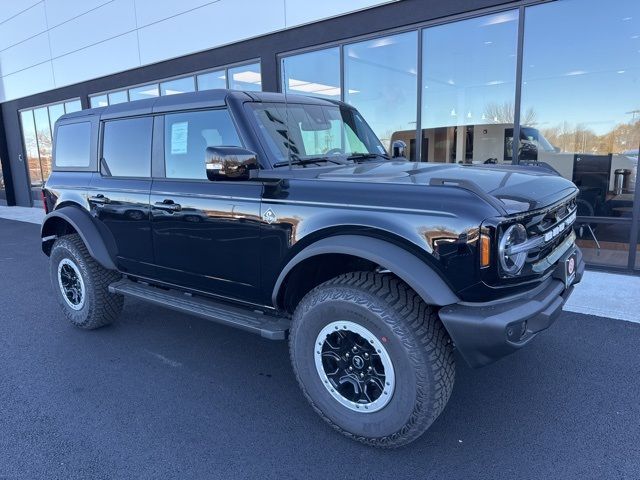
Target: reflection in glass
pixel 380 79
pixel 179 85
pixel 314 73
pixel 143 92
pixel 55 112
pixel 305 132
pixel 72 106
pixel 31 147
pixel 581 104
pixel 127 147
pixel 118 97
pixel 43 133
pixel 245 77
pixel 212 80
pixel 188 135
pixel 468 89
pixel 99 101
pixel 73 145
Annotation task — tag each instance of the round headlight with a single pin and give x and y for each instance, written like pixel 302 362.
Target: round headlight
pixel 512 263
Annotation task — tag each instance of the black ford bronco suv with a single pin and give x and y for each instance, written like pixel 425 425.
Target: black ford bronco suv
pixel 285 216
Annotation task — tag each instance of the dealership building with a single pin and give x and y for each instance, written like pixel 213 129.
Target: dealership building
pixel 456 80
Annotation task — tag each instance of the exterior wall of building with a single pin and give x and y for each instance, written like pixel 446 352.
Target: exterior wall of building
pixel 52 43
pixel 265 48
pixel 457 81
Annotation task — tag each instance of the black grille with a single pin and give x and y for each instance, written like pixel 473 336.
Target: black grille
pixel 543 222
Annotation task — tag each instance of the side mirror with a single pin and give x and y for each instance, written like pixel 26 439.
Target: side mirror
pixel 229 163
pixel 399 149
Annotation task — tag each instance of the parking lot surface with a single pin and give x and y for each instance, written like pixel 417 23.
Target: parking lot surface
pixel 163 395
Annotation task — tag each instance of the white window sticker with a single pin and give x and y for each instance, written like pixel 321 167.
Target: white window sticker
pixel 179 133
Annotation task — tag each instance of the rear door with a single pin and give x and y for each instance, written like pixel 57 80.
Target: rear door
pixel 206 234
pixel 119 193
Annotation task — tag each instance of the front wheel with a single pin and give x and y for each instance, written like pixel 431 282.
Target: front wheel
pixel 80 284
pixel 372 358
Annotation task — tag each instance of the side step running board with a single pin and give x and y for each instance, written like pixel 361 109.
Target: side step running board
pixel 267 326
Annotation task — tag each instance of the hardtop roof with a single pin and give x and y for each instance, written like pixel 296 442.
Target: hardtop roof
pixel 192 100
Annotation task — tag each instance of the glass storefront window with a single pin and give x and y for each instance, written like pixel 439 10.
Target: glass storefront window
pixel 2 188
pixel 179 85
pixel 43 133
pixel 245 77
pixel 55 112
pixel 143 92
pixel 314 73
pixel 30 140
pixel 212 80
pixel 99 101
pixel 380 79
pixel 120 96
pixel 581 111
pixel 72 106
pixel 468 89
pixel 37 133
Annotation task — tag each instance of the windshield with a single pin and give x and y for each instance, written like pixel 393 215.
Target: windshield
pixel 534 135
pixel 315 131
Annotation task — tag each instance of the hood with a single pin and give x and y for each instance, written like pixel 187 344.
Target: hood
pixel 512 188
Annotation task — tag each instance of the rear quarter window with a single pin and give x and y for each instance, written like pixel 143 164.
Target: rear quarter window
pixel 73 145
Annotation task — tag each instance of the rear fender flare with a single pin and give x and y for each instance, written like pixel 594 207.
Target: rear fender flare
pixel 405 265
pixel 84 225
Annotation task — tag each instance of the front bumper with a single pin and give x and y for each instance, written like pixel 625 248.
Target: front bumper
pixel 486 332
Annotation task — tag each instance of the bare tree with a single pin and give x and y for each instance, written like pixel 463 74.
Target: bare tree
pixel 505 113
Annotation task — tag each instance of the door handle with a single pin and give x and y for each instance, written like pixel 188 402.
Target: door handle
pixel 168 205
pixel 99 199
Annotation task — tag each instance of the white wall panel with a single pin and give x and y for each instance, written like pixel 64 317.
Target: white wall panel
pixel 9 8
pixel 114 55
pixel 25 82
pixel 59 11
pixel 107 21
pixel 52 43
pixel 151 11
pixel 305 11
pixel 209 26
pixel 25 25
pixel 25 54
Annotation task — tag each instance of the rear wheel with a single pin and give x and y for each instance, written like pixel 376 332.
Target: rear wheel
pixel 372 358
pixel 80 284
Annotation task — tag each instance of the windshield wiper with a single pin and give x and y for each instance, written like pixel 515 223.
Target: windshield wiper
pixel 308 161
pixel 365 156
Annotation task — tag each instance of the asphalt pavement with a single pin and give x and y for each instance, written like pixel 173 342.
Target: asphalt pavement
pixel 163 395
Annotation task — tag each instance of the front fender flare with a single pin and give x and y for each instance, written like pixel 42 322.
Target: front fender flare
pixel 414 272
pixel 84 225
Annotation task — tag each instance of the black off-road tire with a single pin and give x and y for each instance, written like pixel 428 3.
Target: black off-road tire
pixel 100 307
pixel 416 341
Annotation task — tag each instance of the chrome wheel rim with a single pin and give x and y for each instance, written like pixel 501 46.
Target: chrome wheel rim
pixel 71 284
pixel 354 366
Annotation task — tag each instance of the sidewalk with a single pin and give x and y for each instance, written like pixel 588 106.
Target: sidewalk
pixel 602 294
pixel 23 214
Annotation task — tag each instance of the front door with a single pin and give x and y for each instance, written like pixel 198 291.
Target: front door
pixel 119 194
pixel 206 234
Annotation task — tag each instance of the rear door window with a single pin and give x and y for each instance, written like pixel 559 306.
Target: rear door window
pixel 73 145
pixel 187 136
pixel 126 147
